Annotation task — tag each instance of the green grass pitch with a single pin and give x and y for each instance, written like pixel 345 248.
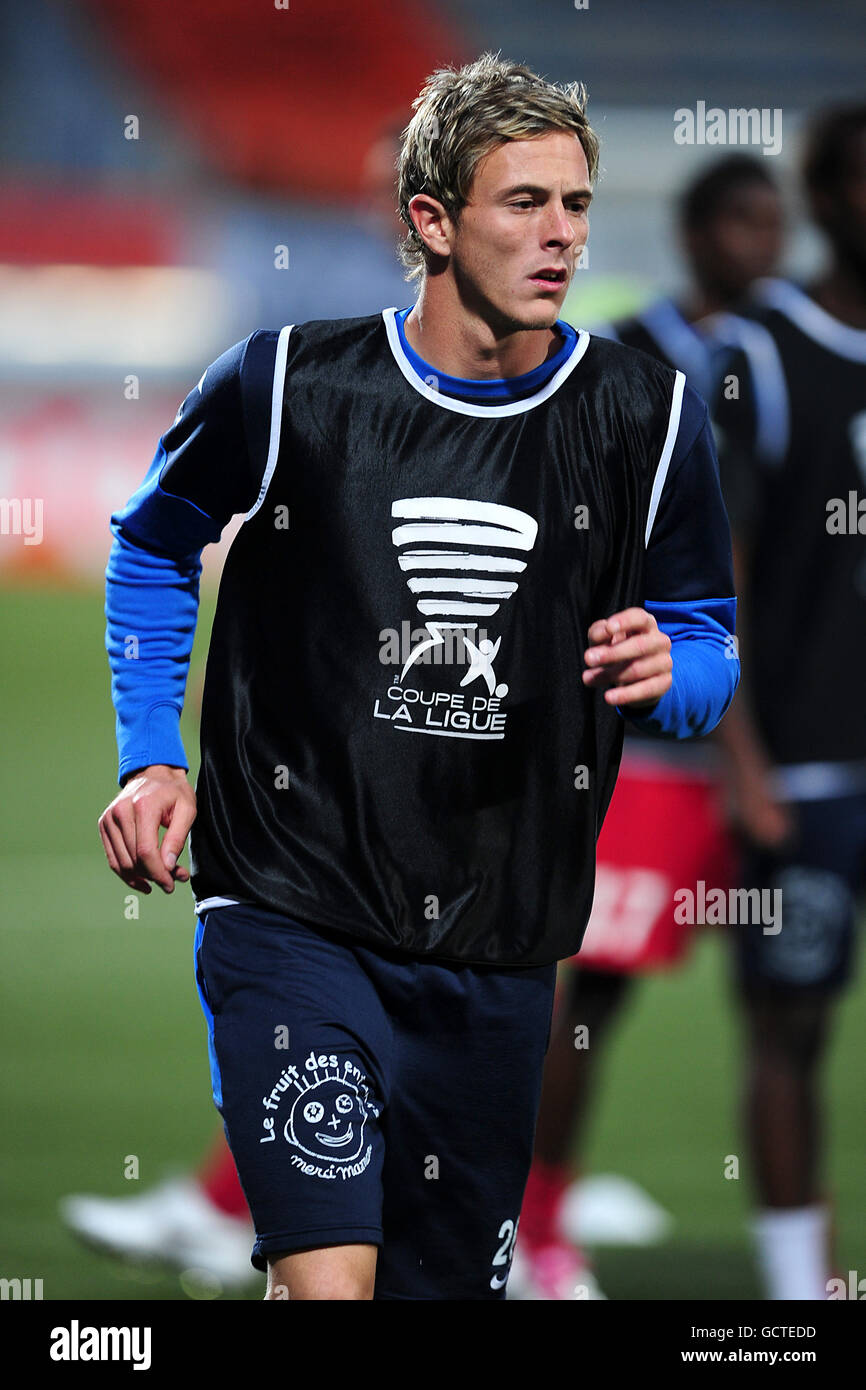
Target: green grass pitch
pixel 103 1042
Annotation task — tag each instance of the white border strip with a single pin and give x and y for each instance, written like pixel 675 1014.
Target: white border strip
pixel 811 319
pixel 276 414
pixel 818 781
pixel 470 408
pixel 205 904
pixel 769 383
pixel 667 451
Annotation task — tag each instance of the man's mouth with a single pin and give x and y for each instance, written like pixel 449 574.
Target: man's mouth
pixel 550 276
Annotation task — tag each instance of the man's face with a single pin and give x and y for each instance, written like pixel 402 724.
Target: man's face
pixel 742 241
pixel 527 212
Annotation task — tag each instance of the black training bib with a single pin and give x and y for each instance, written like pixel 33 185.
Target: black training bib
pixel 396 740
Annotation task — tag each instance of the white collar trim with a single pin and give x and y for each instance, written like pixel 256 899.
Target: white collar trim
pixel 811 319
pixel 472 407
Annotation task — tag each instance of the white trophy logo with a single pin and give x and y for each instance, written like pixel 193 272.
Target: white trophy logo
pixel 456 587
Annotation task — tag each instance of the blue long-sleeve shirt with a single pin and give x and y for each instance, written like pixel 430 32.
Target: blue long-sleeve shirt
pixel 210 465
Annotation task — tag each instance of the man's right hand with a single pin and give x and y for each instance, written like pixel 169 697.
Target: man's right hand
pixel 755 809
pixel 152 797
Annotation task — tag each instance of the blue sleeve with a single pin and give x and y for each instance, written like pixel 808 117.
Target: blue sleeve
pixel 751 419
pixel 689 584
pixel 208 466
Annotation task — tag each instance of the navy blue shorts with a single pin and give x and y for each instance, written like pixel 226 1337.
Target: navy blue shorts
pixel 374 1098
pixel 818 878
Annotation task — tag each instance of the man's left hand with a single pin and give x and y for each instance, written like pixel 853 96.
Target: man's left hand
pixel 629 658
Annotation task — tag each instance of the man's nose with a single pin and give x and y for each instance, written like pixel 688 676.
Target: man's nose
pixel 560 227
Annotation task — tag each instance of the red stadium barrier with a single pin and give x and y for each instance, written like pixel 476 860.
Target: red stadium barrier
pixel 289 98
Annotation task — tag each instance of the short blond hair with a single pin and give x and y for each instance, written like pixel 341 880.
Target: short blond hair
pixel 461 115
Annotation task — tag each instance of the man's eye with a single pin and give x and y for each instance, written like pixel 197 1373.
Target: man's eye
pixel 524 203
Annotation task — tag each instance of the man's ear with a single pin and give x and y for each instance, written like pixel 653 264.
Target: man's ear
pixel 432 223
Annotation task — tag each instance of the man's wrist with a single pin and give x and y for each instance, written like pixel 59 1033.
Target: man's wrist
pixel 154 767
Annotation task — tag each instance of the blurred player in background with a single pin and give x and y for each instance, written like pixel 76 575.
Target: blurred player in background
pixel 792 420
pixel 665 826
